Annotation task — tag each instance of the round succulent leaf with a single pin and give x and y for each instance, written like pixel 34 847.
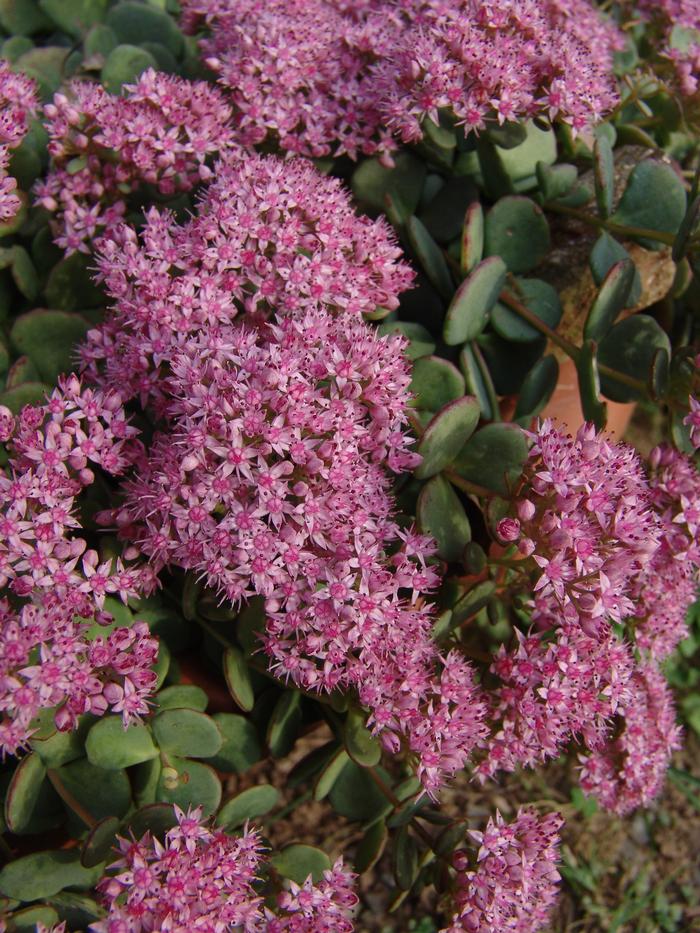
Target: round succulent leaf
pixel 605 253
pixel 49 339
pixel 603 175
pixel 123 66
pixel 182 696
pixel 329 775
pixel 688 227
pixel 21 372
pixel 58 748
pixel 284 724
pixel 614 295
pixel 144 781
pixel 494 457
pixel 509 362
pixel 441 514
pixel 12 48
pixel 537 388
pixel 70 286
pixel 443 216
pixel 189 784
pixel 186 733
pixel 355 796
pixel 405 859
pixel 23 791
pixel 135 22
pixel 507 135
pixel 630 348
pixel 364 748
pixel 431 257
pixel 240 748
pixel 372 181
pixel 538 297
pixel 472 602
pixel 309 766
pixel 22 17
pixel 519 163
pixel 29 393
pixel 109 745
pixel 435 382
pixel 468 311
pixel 298 862
pixel 420 340
pixel 238 679
pixel 248 805
pixel 371 847
pixel 46 66
pixel 659 374
pixel 555 181
pixel 165 58
pixel 100 40
pixel 156 818
pixel 99 842
pixel 43 874
pixel 446 434
pixel 24 273
pixel 472 240
pixel 28 920
pixel 594 409
pixel 517 231
pixel 109 790
pixel 654 199
pixel 478 380
pixel 74 16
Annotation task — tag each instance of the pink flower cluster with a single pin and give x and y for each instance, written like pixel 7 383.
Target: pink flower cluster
pixel 269 475
pixel 54 449
pixel 321 78
pixel 270 238
pixel 478 60
pixel 628 771
pixel 685 54
pixel 513 885
pixel 18 102
pixel 161 132
pixel 297 72
pixel 50 658
pixel 199 878
pixel 606 544
pixel 692 419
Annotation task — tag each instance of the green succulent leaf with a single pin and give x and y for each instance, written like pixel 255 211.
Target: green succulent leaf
pixel 446 434
pixel 468 311
pixel 493 457
pixel 43 874
pixel 240 748
pixel 123 66
pixel 654 199
pixel 298 862
pixel 284 724
pixel 431 257
pixel 441 514
pixel 538 297
pixel 99 842
pixel 420 341
pixel 435 382
pixel 109 745
pixel 189 784
pixel 238 679
pixel 364 748
pixel 604 175
pixel 248 805
pixel 49 339
pixel 23 792
pixel 186 733
pixel 518 232
pixel 630 348
pixel 537 388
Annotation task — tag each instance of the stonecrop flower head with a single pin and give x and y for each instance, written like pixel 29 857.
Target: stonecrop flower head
pixel 297 71
pixel 513 884
pixel 18 103
pixel 553 691
pixel 629 771
pixel 270 239
pixel 684 17
pixel 200 878
pixel 478 61
pixel 271 482
pixel 50 659
pixel 587 524
pixel 163 131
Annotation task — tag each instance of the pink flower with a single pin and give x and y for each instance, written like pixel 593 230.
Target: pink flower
pixel 18 103
pixel 513 884
pixel 163 131
pixel 629 771
pixel 297 71
pixel 693 421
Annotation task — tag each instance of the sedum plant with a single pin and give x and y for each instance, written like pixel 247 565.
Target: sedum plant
pixel 320 327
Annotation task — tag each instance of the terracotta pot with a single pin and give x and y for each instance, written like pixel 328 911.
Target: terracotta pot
pixel 565 404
